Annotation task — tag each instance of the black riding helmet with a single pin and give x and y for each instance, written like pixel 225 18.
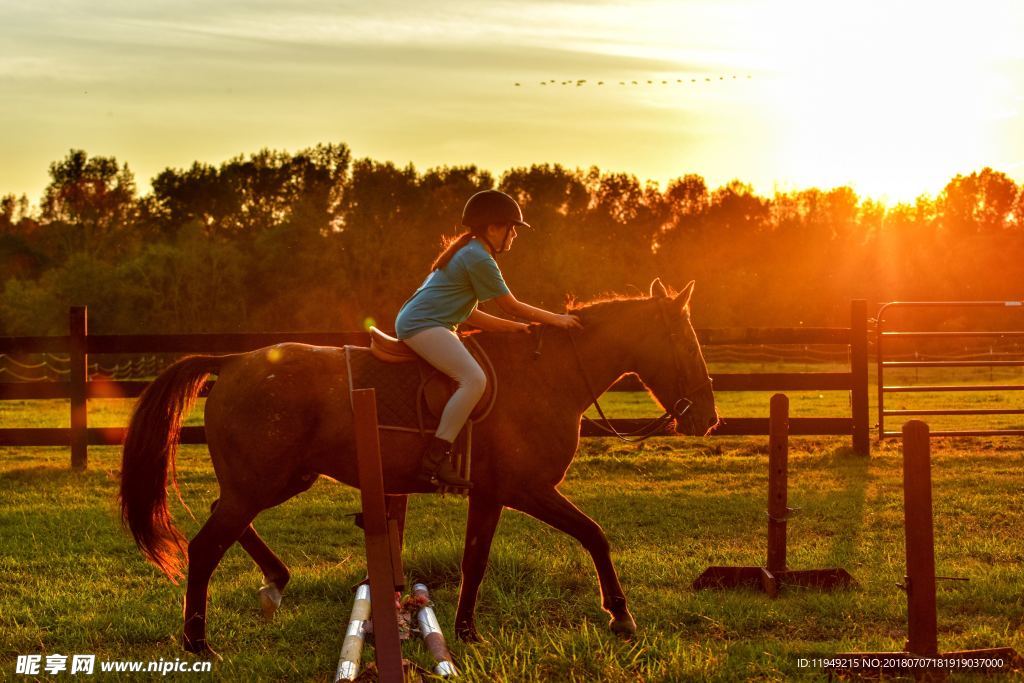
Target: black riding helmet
pixel 492 207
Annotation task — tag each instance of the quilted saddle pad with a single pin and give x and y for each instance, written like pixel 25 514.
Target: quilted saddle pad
pixel 398 386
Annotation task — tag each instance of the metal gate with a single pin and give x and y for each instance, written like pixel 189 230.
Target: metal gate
pixel 1011 307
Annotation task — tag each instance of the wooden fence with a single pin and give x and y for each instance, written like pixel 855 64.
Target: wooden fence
pixel 78 344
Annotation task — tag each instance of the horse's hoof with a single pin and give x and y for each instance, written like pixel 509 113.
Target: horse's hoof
pixel 201 649
pixel 209 654
pixel 270 600
pixel 469 634
pixel 623 627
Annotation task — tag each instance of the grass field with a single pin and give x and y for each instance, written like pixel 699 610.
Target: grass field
pixel 74 583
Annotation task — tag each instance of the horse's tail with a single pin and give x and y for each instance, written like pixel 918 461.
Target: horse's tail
pixel 150 445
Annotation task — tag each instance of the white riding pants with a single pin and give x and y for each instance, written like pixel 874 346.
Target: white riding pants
pixel 441 347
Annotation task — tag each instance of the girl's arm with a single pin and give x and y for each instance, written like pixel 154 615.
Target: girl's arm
pixel 491 323
pixel 513 306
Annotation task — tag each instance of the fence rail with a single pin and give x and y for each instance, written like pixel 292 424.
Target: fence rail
pixel 884 362
pixel 79 387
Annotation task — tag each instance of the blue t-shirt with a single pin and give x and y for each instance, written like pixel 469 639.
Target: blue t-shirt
pixel 449 294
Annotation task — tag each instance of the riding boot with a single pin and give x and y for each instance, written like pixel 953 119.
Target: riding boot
pixel 436 466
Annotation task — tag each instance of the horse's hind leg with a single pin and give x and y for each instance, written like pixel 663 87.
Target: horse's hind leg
pixel 205 552
pixel 275 572
pixel 552 508
pixel 480 526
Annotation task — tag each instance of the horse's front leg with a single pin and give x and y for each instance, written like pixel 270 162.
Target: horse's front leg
pixel 554 509
pixel 481 523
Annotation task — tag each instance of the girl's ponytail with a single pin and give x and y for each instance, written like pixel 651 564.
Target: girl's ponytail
pixel 451 245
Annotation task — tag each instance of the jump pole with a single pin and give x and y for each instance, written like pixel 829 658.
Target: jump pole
pixel 430 631
pixel 352 647
pixel 776 573
pixel 921 652
pixel 383 554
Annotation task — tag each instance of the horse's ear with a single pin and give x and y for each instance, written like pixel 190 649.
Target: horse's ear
pixel 682 299
pixel 658 290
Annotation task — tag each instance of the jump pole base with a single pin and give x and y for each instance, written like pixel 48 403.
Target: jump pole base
pixel 922 617
pixel 775 575
pixel 770 582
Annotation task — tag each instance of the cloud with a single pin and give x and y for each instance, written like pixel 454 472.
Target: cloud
pixel 170 81
pixel 649 34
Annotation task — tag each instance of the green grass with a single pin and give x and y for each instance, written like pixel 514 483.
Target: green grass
pixel 73 582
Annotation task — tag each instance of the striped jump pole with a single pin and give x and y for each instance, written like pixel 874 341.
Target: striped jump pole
pixel 352 648
pixel 430 631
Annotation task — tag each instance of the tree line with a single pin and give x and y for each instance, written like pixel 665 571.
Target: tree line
pixel 318 240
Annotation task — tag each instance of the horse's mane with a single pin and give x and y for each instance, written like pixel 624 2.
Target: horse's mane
pixel 601 306
pixel 606 301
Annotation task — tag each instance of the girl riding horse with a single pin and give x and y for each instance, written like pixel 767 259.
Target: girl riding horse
pixel 464 274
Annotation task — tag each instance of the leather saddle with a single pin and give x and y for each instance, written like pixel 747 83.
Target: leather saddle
pixel 436 387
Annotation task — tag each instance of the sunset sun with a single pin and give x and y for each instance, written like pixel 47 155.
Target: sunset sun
pixel 893 100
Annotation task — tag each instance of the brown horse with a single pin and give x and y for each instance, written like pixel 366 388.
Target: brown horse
pixel 278 418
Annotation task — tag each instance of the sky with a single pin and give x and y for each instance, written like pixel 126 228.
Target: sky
pixel 893 98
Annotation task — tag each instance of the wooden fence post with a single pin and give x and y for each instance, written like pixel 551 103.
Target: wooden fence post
pixel 78 318
pixel 859 370
pixel 778 482
pixel 922 622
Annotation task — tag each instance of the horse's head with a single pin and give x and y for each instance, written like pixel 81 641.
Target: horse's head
pixel 669 361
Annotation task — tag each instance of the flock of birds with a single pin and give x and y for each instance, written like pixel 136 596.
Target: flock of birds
pixel 580 82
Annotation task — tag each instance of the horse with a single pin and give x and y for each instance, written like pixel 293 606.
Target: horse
pixel 278 418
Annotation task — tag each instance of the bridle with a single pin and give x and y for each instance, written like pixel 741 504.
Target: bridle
pixel 658 424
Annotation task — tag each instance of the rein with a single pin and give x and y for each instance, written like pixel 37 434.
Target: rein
pixel 656 425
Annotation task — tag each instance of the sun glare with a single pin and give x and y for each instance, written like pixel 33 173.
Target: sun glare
pixel 891 99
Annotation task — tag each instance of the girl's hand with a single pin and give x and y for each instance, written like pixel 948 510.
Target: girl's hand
pixel 519 327
pixel 567 322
